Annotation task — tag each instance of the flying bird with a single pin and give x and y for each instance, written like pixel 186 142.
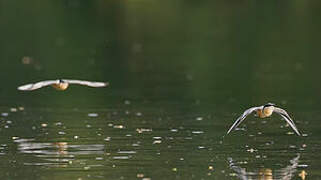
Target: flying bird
pixel 60 84
pixel 263 112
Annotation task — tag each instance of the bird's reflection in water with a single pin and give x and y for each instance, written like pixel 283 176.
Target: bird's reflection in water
pixel 55 154
pixel 286 173
pixel 62 147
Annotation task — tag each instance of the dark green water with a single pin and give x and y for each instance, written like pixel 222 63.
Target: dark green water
pixel 180 74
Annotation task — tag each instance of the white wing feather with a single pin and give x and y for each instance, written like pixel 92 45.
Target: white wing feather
pixel 86 83
pixel 287 118
pixel 33 86
pixel 242 117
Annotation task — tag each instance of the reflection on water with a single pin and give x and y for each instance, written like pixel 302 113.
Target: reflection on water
pixel 59 154
pixel 285 173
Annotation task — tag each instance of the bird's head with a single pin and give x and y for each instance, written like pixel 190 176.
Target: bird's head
pixel 61 81
pixel 269 104
pixel 268 108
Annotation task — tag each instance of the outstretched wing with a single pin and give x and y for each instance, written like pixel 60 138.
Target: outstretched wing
pixel 242 117
pixel 34 86
pixel 86 83
pixel 287 118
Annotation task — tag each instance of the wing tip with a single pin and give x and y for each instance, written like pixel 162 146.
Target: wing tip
pixel 105 84
pixel 101 84
pixel 24 88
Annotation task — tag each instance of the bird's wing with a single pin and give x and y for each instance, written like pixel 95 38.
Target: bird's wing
pixel 86 83
pixel 242 117
pixel 33 86
pixel 287 118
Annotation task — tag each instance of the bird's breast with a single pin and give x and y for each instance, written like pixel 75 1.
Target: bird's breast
pixel 268 111
pixel 260 113
pixel 60 86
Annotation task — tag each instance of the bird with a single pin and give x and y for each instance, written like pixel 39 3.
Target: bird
pixel 263 112
pixel 60 84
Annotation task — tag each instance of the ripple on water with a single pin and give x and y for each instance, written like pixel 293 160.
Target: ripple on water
pixel 57 153
pixel 197 132
pixel 126 152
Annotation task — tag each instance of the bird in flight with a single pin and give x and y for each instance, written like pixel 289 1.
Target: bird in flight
pixel 263 112
pixel 60 84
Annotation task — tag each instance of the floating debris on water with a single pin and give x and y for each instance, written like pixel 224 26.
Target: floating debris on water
pixel 14 137
pixel 251 150
pixel 126 152
pixel 127 102
pixel 93 115
pixel 4 114
pixel 199 118
pixel 140 175
pixel 26 60
pixel 141 130
pixel 119 126
pixel 13 109
pixel 58 123
pixel 303 165
pixel 197 132
pixel 121 157
pixel 292 146
pixel 157 142
pixel 99 158
pixel 243 162
pixel 174 130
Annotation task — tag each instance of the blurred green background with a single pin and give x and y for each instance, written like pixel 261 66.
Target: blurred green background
pixel 215 50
